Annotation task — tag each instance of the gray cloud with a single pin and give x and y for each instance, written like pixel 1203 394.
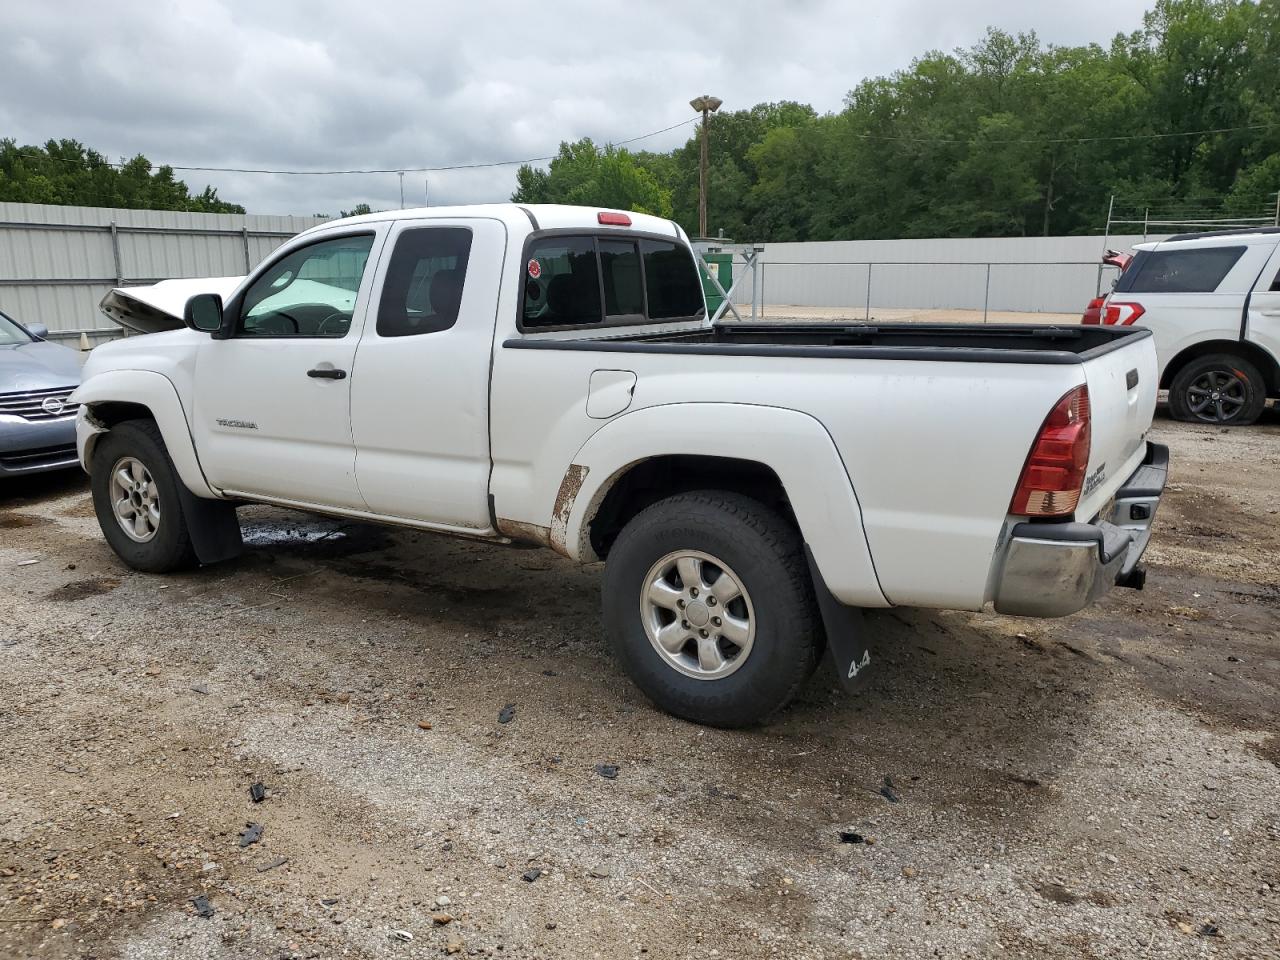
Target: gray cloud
pixel 383 83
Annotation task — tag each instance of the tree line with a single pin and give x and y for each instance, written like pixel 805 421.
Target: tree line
pixel 67 172
pixel 1010 137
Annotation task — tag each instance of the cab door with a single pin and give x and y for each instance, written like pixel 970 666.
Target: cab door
pixel 272 411
pixel 420 390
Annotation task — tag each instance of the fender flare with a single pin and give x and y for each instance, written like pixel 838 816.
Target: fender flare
pixel 157 393
pixel 794 445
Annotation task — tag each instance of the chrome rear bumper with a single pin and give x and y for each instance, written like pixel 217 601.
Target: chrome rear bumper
pixel 1055 569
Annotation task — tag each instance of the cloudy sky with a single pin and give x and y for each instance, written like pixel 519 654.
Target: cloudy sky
pixel 317 85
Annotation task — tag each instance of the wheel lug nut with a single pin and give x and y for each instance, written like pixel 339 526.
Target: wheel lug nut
pixel 711 601
pixel 680 604
pixel 716 621
pixel 703 634
pixel 693 591
pixel 685 624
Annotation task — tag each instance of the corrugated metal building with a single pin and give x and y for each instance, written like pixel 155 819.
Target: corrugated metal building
pixel 1031 274
pixel 57 262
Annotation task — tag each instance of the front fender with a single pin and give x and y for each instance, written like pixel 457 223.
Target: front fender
pixel 155 392
pixel 793 445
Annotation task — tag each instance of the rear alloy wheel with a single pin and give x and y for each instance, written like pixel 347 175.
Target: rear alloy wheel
pixel 710 608
pixel 1218 388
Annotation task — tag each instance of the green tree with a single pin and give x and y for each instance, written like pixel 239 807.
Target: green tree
pixel 585 174
pixel 67 172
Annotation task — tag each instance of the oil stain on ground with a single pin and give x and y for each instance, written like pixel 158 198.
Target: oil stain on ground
pixel 81 589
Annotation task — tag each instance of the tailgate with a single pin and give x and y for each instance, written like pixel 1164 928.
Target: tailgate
pixel 1122 398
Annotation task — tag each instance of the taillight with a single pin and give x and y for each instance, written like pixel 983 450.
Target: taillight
pixel 1054 472
pixel 1093 312
pixel 613 219
pixel 1121 314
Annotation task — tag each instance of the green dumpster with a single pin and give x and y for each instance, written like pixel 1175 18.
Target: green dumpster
pixel 722 264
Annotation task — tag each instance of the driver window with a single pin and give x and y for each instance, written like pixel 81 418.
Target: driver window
pixel 310 293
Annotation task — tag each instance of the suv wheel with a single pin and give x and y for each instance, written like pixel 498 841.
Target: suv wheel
pixel 710 609
pixel 135 495
pixel 1218 388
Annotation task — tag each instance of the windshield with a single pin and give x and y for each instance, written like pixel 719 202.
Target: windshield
pixel 11 333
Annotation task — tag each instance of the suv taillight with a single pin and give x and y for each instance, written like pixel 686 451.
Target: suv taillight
pixel 1121 314
pixel 1054 472
pixel 1093 312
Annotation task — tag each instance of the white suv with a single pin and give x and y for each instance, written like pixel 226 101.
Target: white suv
pixel 1213 302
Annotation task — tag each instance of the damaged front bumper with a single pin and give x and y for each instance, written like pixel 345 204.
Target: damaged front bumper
pixel 1055 569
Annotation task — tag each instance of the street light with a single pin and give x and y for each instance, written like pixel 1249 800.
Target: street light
pixel 705 105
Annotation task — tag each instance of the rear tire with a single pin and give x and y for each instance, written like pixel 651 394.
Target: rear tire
pixel 1218 388
pixel 730 641
pixel 135 486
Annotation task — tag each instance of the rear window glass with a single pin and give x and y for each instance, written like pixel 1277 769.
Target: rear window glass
pixel 562 283
pixel 671 280
pixel 576 280
pixel 423 287
pixel 1178 271
pixel 623 286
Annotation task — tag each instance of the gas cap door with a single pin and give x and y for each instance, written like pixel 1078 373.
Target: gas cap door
pixel 609 393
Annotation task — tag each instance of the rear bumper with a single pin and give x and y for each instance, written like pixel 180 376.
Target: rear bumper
pixel 32 446
pixel 1055 569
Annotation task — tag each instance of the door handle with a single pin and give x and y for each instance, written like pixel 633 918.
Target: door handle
pixel 1270 313
pixel 328 373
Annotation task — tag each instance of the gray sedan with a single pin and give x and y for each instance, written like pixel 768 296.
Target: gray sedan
pixel 37 424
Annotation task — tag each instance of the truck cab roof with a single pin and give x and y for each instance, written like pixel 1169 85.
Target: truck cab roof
pixel 535 216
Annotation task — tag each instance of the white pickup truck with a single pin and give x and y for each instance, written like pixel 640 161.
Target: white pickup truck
pixel 550 374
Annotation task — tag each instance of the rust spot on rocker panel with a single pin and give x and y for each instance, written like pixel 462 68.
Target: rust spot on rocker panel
pixel 524 532
pixel 570 486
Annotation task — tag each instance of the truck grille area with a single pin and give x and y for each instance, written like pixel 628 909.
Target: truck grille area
pixel 38 404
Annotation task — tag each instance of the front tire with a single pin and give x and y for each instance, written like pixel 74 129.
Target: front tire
pixel 1218 388
pixel 135 496
pixel 710 609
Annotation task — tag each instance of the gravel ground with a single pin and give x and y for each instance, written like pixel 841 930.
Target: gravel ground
pixel 1099 786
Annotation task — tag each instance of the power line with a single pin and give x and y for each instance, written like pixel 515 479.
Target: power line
pixel 337 173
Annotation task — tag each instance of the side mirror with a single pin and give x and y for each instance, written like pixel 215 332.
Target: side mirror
pixel 38 330
pixel 203 312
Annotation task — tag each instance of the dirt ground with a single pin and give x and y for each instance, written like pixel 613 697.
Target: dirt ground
pixel 1100 786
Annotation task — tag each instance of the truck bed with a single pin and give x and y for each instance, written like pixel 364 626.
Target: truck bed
pixel 985 343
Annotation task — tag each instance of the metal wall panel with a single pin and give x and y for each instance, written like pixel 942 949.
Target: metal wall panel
pixel 76 250
pixel 1024 274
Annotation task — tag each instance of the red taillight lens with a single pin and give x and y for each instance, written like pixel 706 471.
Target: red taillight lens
pixel 1121 314
pixel 1054 472
pixel 613 219
pixel 1093 312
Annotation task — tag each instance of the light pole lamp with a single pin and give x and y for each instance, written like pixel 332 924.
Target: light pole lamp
pixel 705 105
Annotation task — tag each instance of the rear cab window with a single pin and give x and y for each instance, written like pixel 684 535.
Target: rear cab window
pixel 590 280
pixel 1195 270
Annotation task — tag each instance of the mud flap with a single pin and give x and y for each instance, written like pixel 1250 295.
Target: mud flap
pixel 213 526
pixel 846 634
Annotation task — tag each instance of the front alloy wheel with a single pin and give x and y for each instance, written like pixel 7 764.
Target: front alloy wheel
pixel 135 499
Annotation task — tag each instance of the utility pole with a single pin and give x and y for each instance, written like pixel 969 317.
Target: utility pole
pixel 706 105
pixel 401 189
